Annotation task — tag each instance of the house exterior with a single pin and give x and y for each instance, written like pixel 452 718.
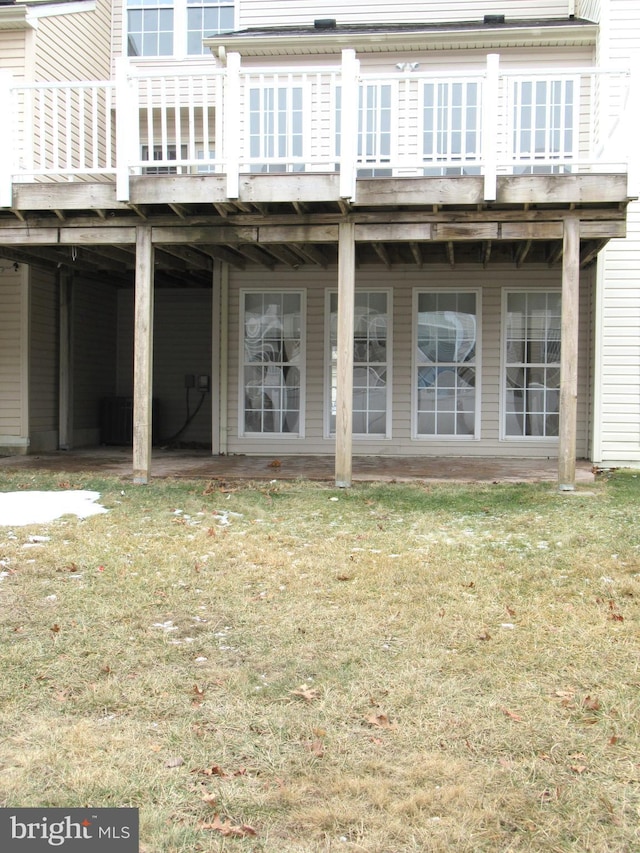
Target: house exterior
pixel 274 228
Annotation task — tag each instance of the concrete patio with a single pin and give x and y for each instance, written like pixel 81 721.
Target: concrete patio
pixel 202 465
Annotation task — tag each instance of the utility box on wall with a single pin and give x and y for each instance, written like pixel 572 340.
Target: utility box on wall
pixel 116 421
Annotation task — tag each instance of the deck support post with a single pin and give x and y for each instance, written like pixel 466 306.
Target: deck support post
pixel 143 356
pixel 346 311
pixel 569 355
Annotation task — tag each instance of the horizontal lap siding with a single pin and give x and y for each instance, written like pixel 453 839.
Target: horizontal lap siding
pixel 182 345
pixel 403 280
pixel 10 355
pixel 94 350
pixel 620 321
pixel 256 13
pixel 43 361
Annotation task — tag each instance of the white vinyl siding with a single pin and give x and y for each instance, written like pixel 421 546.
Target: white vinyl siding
pixel 618 412
pixel 490 284
pixel 11 362
pixel 43 362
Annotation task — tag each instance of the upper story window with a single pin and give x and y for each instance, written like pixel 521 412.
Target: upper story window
pixel 175 27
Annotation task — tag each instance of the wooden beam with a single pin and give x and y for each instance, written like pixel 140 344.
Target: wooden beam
pixel 569 354
pixel 555 254
pixel 451 255
pixel 381 251
pixel 417 254
pixel 310 253
pixel 486 253
pixel 285 255
pixel 256 255
pixel 522 251
pixel 393 233
pixel 139 209
pixel 143 357
pixel 191 257
pixel 588 254
pixel 222 210
pixel 297 234
pixel 180 210
pixel 346 316
pixel 227 256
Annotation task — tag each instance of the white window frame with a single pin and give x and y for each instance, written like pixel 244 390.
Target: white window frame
pixel 441 161
pixel 382 164
pixel 328 432
pixel 524 162
pixel 416 364
pixel 287 136
pixel 549 439
pixel 180 33
pixel 301 365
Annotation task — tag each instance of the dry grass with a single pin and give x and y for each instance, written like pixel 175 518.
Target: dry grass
pixel 393 668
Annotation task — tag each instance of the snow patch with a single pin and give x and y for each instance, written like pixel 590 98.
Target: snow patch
pixel 20 508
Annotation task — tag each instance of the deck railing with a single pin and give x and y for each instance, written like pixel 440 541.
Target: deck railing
pixel 234 120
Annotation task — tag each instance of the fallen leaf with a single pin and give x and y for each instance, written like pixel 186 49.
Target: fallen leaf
pixel 55 629
pixel 591 704
pixel 227 828
pixel 613 740
pixel 209 799
pixel 380 721
pixel 484 635
pixel 276 463
pixel 315 747
pixel 306 693
pixel 578 768
pixel 176 761
pixel 512 716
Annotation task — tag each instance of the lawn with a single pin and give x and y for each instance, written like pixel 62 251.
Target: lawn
pixel 289 667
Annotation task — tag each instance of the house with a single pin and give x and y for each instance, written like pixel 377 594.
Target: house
pixel 379 228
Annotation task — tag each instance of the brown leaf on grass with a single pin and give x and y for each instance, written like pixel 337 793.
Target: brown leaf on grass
pixel 613 740
pixel 578 768
pixel 484 635
pixel 209 799
pixel 510 611
pixel 228 829
pixel 591 703
pixel 55 629
pixel 380 721
pixel 344 577
pixel 512 715
pixel 306 693
pixel 315 747
pixel 216 770
pixel 198 695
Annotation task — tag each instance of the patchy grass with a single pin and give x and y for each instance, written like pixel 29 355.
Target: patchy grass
pixel 288 667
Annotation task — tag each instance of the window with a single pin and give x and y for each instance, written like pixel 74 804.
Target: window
pixel 374 128
pixel 451 127
pixel 275 128
pixel 532 364
pixel 206 18
pixel 544 124
pixel 272 345
pixel 371 347
pixel 169 153
pixel 150 27
pixel 446 335
pixel 175 27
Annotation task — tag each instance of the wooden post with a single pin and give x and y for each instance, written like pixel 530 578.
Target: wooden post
pixel 143 356
pixel 569 355
pixel 65 375
pixel 346 311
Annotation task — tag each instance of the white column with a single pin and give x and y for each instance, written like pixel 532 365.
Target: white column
pixel 349 124
pixel 143 356
pixel 490 119
pixel 231 125
pixel 346 310
pixel 569 355
pixel 8 143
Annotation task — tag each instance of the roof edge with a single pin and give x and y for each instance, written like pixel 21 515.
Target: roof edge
pixel 290 40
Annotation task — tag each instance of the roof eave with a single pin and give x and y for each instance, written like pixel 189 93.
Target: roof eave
pixel 14 18
pixel 279 43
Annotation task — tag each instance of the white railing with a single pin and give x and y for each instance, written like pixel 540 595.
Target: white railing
pixel 234 120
